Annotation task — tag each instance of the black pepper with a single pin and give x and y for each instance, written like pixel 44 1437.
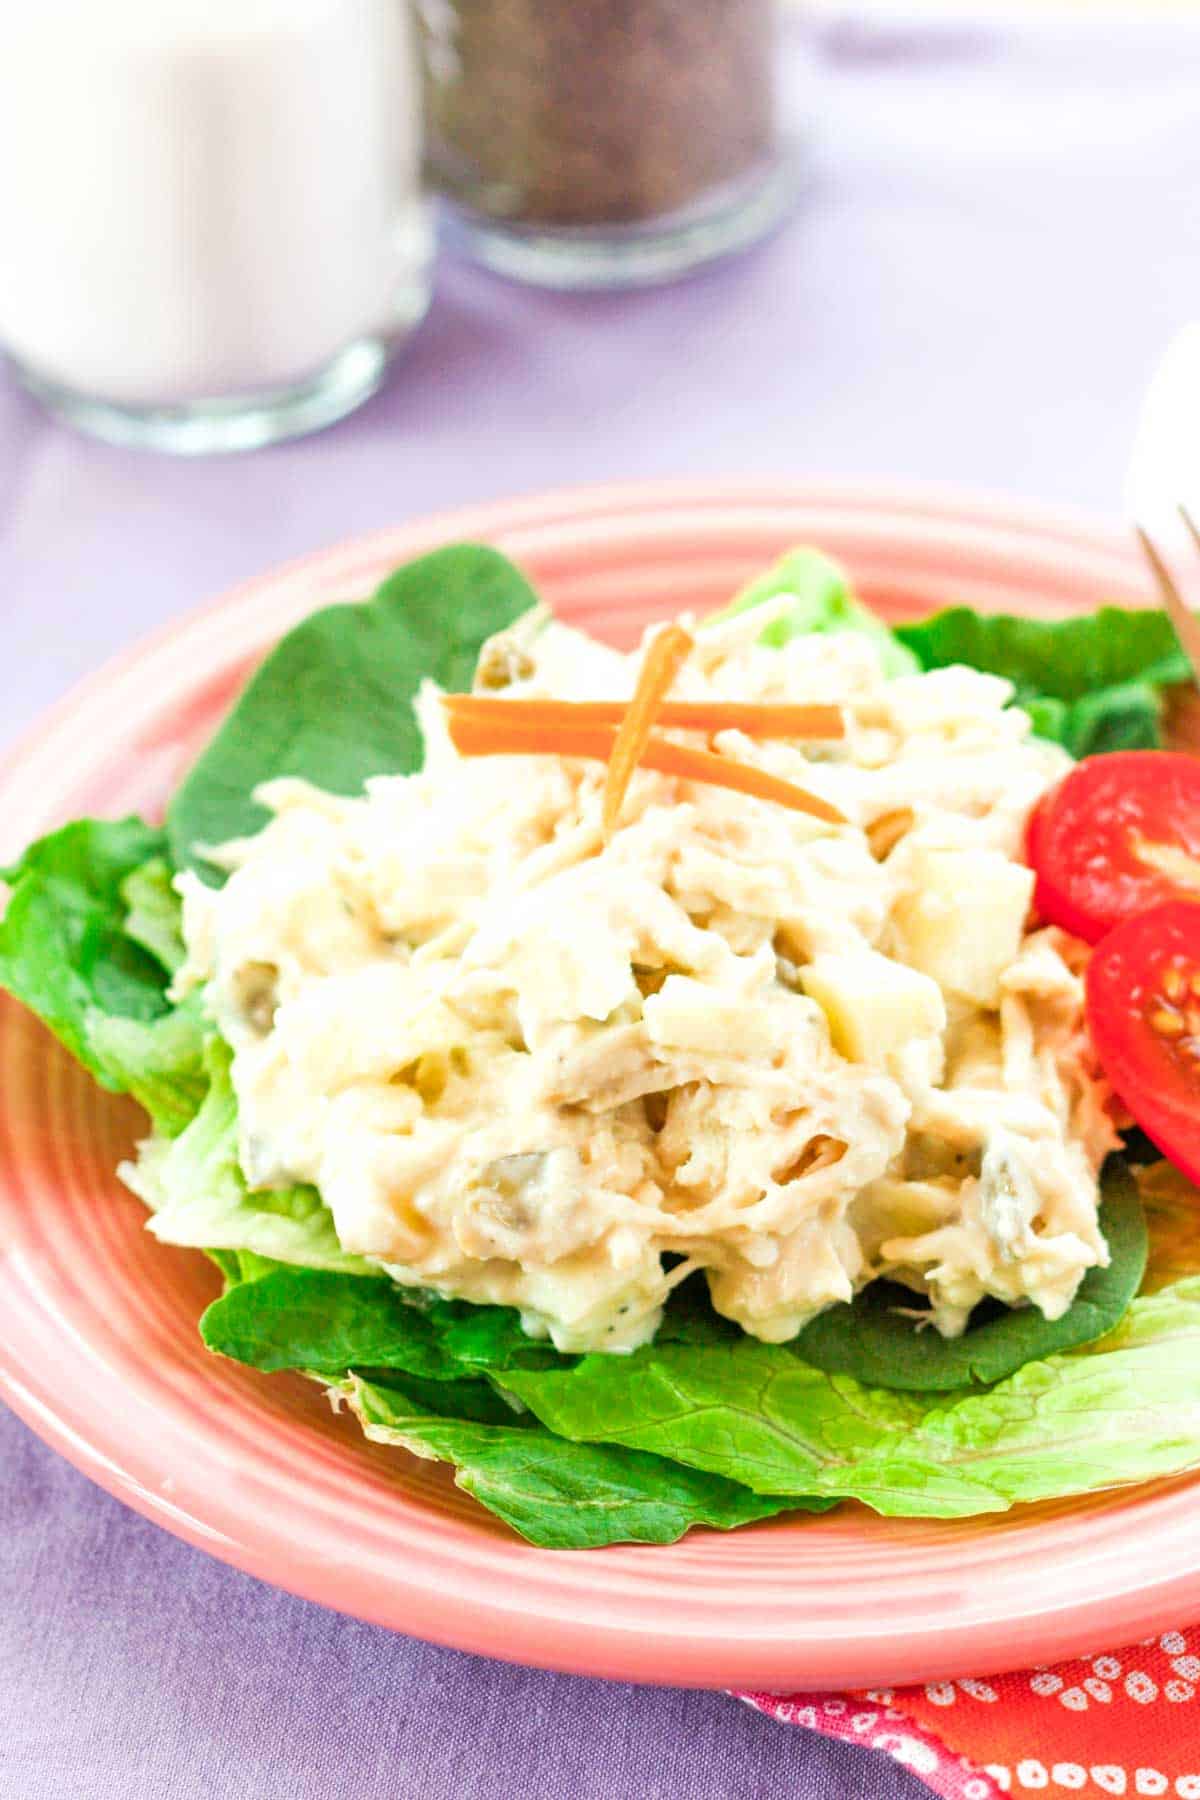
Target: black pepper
pixel 569 113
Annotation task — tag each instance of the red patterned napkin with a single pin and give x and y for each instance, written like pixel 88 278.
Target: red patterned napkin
pixel 1124 1723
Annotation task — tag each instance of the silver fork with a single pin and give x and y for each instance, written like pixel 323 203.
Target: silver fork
pixel 1187 627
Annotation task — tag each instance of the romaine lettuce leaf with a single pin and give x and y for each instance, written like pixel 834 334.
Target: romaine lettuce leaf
pixel 1092 682
pixel 198 1195
pixel 84 943
pixel 333 700
pixel 558 1494
pixel 248 1265
pixel 159 1061
pixel 1126 1409
pixel 822 601
pixel 229 1263
pixel 464 1401
pixel 710 1398
pixel 153 914
pixel 883 1347
pixel 427 1394
pixel 64 948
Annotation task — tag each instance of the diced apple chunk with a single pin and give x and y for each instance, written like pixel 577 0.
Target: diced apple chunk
pixel 686 1015
pixel 962 919
pixel 874 1006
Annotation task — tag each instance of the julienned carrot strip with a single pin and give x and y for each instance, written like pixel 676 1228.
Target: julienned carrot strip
pixel 663 660
pixel 721 771
pixel 757 719
pixel 504 737
pixel 501 737
pixel 474 737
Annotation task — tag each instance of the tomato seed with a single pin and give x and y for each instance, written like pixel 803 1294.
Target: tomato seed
pixel 1166 1023
pixel 1173 984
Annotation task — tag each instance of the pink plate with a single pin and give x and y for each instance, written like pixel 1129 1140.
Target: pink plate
pixel 98 1343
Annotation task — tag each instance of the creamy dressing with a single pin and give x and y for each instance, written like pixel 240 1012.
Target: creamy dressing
pixel 524 1065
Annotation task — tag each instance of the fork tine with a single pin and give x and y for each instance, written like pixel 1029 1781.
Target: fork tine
pixel 1187 629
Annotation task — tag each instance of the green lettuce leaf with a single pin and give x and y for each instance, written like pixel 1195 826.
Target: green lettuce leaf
pixel 229 1263
pixel 412 1369
pixel 198 1195
pixel 466 1400
pixel 1123 1410
pixel 304 1318
pixel 822 601
pixel 557 1494
pixel 86 943
pixel 64 948
pixel 153 914
pixel 247 1265
pixel 161 1062
pixel 883 1347
pixel 333 700
pixel 291 1318
pixel 1093 682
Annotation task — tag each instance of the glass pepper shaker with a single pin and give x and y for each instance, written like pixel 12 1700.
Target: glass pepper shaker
pixel 603 143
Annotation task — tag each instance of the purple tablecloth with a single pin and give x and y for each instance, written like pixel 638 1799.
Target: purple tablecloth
pixel 1000 234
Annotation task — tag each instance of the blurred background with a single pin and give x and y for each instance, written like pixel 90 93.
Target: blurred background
pixel 275 272
pixel 934 241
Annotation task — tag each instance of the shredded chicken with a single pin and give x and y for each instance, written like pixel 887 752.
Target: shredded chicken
pixel 529 1065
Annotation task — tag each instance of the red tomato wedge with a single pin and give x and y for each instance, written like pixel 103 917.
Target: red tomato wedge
pixel 1118 834
pixel 1143 1011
